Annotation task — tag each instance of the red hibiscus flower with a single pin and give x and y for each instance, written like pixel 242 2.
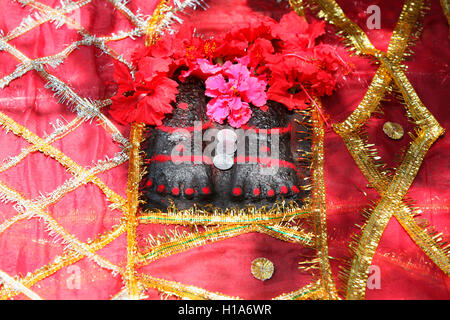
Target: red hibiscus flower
pixel 296 79
pixel 179 49
pixel 333 59
pixel 259 54
pixel 296 32
pixel 232 88
pixel 236 42
pixel 144 99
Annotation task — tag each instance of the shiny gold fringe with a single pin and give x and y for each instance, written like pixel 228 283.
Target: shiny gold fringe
pixel 193 240
pixel 134 170
pixel 134 178
pixel 209 215
pixel 10 125
pixel 188 241
pixel 37 207
pixel 411 11
pixel 396 190
pixel 381 215
pixel 379 179
pixel 8 281
pixel 319 205
pixel 68 258
pixel 313 291
pixel 445 4
pixel 70 127
pixel 288 234
pixel 183 291
pixel 297 6
pixel 151 33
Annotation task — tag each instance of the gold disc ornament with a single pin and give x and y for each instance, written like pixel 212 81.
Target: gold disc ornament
pixel 262 269
pixel 393 130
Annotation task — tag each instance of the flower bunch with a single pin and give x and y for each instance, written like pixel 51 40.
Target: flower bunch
pixel 232 87
pixel 280 61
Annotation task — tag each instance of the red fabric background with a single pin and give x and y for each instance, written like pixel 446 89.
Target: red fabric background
pixel 406 272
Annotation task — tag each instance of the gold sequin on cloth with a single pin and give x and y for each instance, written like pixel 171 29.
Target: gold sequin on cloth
pixel 393 130
pixel 262 269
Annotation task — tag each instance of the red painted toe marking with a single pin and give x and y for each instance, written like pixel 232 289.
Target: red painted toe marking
pixel 256 191
pixel 284 189
pixel 160 188
pixel 189 191
pixel 149 183
pixel 271 193
pixel 237 191
pixel 206 190
pixel 295 189
pixel 175 191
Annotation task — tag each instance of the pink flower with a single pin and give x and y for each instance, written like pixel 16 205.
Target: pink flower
pixel 240 113
pixel 208 68
pixel 202 68
pixel 232 90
